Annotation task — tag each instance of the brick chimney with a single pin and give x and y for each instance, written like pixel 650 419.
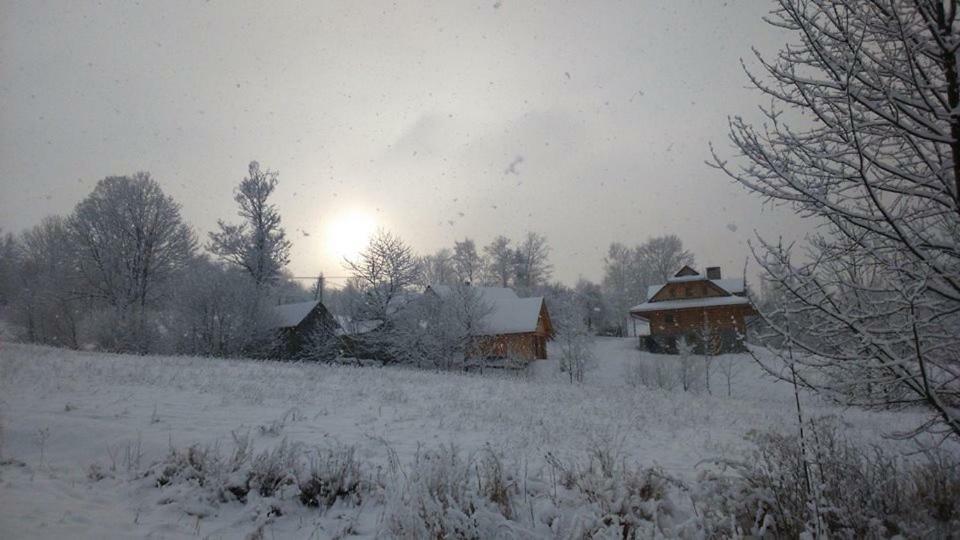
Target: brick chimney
pixel 713 272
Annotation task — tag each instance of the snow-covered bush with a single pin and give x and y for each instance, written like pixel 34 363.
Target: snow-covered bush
pixel 604 497
pixel 576 353
pixel 316 477
pixel 223 478
pixel 331 475
pixel 824 485
pixel 668 372
pixel 273 469
pixel 445 495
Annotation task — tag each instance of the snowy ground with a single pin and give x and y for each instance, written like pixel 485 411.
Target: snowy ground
pixel 63 411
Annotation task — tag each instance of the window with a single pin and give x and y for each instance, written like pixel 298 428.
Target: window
pixel 669 319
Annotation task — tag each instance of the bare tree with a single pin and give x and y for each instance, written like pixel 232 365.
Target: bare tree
pixel 47 302
pixel 872 311
pixel 576 352
pixel 500 259
pixel 687 365
pixel 259 245
pixel 707 340
pixel 9 259
pixel 384 271
pixel 531 264
pixel 218 312
pixel 467 265
pixel 619 270
pixel 446 329
pixel 437 268
pixel 130 241
pixel 660 257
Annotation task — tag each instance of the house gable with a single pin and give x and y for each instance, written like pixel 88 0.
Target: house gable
pixel 701 288
pixel 686 271
pixel 544 325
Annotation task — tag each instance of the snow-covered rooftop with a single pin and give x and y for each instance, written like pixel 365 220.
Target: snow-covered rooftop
pixel 689 303
pixel 290 315
pixel 684 279
pixel 512 315
pixel 348 326
pixel 509 313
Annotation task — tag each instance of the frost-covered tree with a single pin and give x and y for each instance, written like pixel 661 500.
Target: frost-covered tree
pixel 47 302
pixel 9 255
pixel 592 305
pixel 384 271
pixel 576 352
pixel 218 312
pixel 467 264
pixel 443 330
pixel 531 262
pixel 863 135
pixel 437 268
pixel 660 257
pixel 619 272
pixel 259 245
pixel 499 262
pixel 628 271
pixel 130 241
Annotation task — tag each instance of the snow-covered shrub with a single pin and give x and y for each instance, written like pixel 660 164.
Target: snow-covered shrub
pixel 224 478
pixel 658 371
pixel 683 370
pixel 330 476
pixel 826 486
pixel 273 469
pixel 321 476
pixel 612 499
pixel 576 352
pixel 447 496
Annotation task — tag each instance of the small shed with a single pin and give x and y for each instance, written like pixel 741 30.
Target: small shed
pixel 706 310
pixel 514 327
pixel 301 326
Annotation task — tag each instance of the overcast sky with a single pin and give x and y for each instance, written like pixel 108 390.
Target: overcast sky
pixel 584 121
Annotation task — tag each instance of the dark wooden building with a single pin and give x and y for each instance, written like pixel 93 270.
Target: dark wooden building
pixel 705 310
pixel 304 329
pixel 514 328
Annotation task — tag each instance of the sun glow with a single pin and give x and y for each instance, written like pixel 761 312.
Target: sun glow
pixel 348 233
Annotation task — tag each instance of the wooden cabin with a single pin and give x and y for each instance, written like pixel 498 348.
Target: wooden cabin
pixel 301 327
pixel 514 328
pixel 705 310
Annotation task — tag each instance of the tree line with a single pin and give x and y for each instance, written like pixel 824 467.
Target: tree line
pixel 124 272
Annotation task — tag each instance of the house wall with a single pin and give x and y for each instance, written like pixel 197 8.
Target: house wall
pixel 528 346
pixel 726 324
pixel 293 342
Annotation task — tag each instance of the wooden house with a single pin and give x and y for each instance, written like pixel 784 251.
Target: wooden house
pixel 513 328
pixel 705 310
pixel 302 328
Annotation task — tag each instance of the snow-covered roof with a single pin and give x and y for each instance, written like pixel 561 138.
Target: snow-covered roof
pixel 350 327
pixel 509 314
pixel 684 279
pixel 512 315
pixel 689 303
pixel 291 315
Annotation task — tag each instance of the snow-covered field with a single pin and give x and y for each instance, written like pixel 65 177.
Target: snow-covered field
pixel 63 411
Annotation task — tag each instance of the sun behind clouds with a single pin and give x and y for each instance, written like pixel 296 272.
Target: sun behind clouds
pixel 348 233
